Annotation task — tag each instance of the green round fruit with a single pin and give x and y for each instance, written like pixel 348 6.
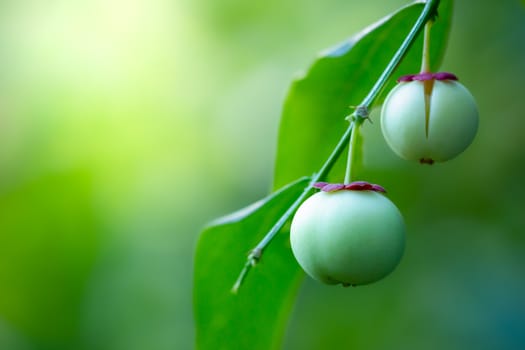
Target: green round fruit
pixel 348 237
pixel 432 128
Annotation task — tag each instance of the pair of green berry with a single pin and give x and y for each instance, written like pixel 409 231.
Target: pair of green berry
pixel 353 234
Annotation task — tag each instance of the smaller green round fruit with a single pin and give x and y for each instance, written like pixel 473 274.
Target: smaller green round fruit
pixel 348 237
pixel 436 127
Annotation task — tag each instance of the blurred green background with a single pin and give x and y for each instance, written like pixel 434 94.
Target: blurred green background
pixel 126 125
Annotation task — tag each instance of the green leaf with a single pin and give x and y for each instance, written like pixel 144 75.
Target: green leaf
pixel 313 121
pixel 255 317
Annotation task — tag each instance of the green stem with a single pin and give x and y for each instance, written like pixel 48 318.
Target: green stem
pixel 360 114
pixel 351 152
pixel 425 64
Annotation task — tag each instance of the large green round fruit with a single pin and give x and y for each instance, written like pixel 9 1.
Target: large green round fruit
pixel 348 237
pixel 432 128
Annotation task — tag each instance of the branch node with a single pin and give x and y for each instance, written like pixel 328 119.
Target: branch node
pixel 361 113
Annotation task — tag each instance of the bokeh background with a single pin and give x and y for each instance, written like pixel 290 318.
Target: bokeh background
pixel 126 125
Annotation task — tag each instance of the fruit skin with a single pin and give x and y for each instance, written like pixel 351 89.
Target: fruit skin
pixel 452 124
pixel 348 237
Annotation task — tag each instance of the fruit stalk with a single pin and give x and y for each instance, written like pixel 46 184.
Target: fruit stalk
pixel 425 68
pixel 351 152
pixel 425 64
